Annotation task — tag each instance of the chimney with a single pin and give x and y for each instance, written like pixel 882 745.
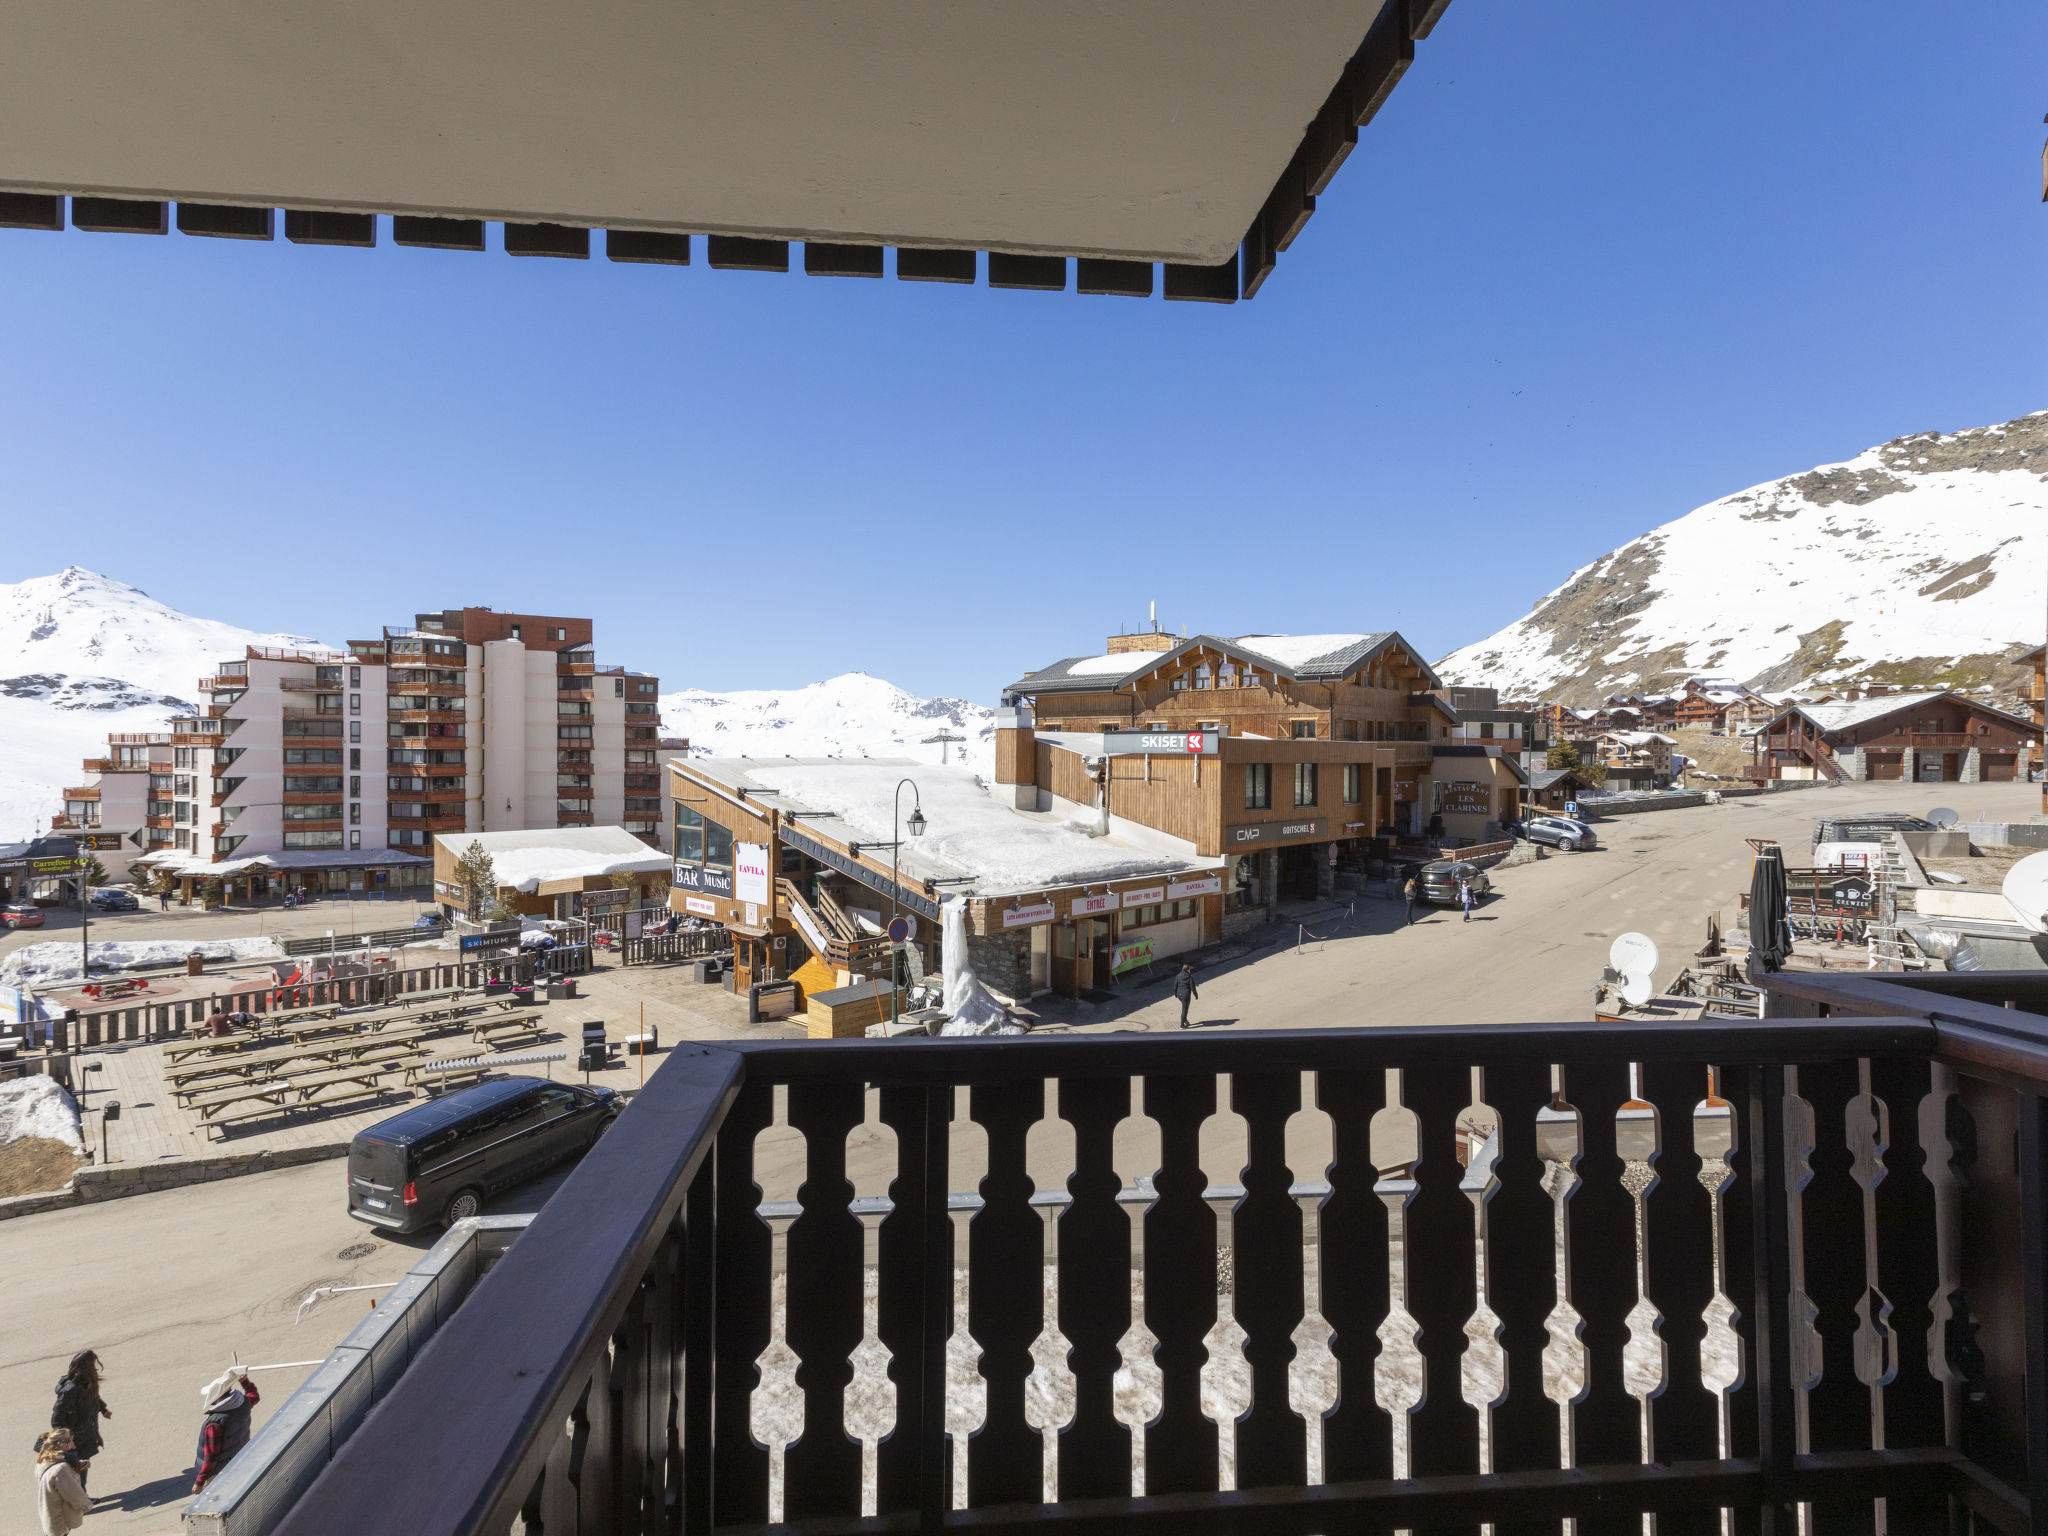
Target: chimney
pixel 1016 758
pixel 1144 640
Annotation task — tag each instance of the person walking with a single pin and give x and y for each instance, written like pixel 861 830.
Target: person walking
pixel 163 898
pixel 79 1409
pixel 1411 890
pixel 1184 989
pixel 228 1400
pixel 1465 898
pixel 60 1483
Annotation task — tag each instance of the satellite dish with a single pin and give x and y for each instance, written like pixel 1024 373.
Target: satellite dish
pixel 2026 891
pixel 1633 953
pixel 1635 988
pixel 1942 816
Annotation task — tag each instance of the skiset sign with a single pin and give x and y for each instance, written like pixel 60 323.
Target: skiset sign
pixel 1160 743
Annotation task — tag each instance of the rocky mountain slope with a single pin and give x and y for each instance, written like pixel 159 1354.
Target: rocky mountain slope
pixel 82 654
pixel 1923 560
pixel 852 715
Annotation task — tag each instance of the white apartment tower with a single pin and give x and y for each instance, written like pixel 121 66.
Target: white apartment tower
pixel 333 771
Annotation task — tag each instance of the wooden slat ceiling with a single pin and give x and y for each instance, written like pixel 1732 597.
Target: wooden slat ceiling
pixel 1148 148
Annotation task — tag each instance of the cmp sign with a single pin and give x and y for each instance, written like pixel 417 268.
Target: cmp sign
pixel 1160 743
pixel 1258 834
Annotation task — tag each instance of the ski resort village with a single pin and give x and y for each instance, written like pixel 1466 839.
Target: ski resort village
pixel 598 935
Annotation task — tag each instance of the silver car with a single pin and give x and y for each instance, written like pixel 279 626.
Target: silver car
pixel 1563 833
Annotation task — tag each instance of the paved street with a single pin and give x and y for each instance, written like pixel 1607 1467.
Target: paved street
pixel 1533 950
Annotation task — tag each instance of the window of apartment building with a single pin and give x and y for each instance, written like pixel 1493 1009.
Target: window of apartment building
pixel 515 631
pixel 355 815
pixel 644 685
pixel 572 807
pixel 327 703
pixel 646 759
pixel 618 687
pixel 635 707
pixel 295 755
pixel 355 703
pixel 182 842
pixel 184 811
pixel 639 805
pixel 572 733
pixel 226 844
pixel 355 730
pixel 355 787
pixel 1258 786
pixel 312 784
pixel 1202 675
pixel 328 811
pixel 1486 730
pixel 574 755
pixel 1304 729
pixel 310 839
pixel 1251 678
pixel 1304 783
pixel 401 837
pixel 572 781
pixel 1179 683
pixel 1226 674
pixel 327 675
pixel 181 757
pixel 355 839
pixel 1354 779
pixel 355 677
pixel 571 707
pixel 689 836
pixel 642 828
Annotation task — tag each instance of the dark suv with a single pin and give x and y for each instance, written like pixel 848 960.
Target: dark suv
pixel 436 1163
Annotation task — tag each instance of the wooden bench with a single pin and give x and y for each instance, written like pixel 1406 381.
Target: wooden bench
pixel 436 1074
pixel 492 1033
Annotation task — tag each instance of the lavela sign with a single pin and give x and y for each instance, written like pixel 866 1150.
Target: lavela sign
pixel 750 872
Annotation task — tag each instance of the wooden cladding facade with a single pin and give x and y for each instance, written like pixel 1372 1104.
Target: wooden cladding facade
pixel 1196 798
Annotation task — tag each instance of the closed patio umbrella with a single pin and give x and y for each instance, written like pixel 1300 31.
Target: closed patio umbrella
pixel 1770 926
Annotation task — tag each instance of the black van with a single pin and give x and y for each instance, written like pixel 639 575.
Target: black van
pixel 435 1163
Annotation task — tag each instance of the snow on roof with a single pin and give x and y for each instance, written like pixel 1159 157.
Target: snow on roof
pixel 198 867
pixel 525 859
pixel 968 832
pixel 1114 665
pixel 1638 738
pixel 1840 716
pixel 1300 650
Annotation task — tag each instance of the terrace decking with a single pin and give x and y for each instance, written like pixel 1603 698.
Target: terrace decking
pixel 1771 1249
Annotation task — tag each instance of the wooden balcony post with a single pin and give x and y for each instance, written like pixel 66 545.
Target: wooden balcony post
pixel 2033 1158
pixel 1771 1248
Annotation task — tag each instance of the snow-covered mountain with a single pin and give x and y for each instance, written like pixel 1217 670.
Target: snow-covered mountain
pixel 1923 560
pixel 852 715
pixel 81 655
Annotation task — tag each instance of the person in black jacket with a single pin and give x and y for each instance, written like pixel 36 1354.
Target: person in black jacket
pixel 1184 989
pixel 78 1407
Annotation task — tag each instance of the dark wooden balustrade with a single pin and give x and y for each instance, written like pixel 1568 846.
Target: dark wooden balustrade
pixel 1858 1191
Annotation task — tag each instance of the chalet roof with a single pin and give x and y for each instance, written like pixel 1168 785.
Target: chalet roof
pixel 1310 658
pixel 1840 716
pixel 1121 135
pixel 1544 778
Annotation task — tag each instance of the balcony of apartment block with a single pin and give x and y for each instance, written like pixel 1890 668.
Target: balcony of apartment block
pixel 65 823
pixel 292 712
pixel 1372 1231
pixel 159 823
pixel 194 731
pixel 643 782
pixel 456 689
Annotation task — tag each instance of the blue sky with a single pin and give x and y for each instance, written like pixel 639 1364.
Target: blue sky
pixel 1593 266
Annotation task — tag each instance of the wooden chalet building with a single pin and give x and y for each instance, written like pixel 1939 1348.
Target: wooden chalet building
pixel 2037 703
pixel 1929 737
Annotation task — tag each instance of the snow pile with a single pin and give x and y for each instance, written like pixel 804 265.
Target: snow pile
pixel 973 1010
pixel 55 963
pixel 852 715
pixel 967 831
pixel 81 655
pixel 1299 650
pixel 526 860
pixel 37 1106
pixel 1930 549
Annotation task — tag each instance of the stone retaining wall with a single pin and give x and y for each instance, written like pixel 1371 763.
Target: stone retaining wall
pixel 116 1181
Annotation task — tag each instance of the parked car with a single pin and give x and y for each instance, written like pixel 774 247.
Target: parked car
pixel 21 914
pixel 438 1162
pixel 106 899
pixel 1440 883
pixel 1565 833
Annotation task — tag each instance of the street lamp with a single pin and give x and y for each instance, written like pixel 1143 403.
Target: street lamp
pixel 917 826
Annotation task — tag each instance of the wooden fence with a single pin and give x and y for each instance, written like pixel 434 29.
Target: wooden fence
pixel 691 944
pixel 140 1019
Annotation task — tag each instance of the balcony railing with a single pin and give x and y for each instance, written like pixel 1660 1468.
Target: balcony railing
pixel 1616 1236
pixel 1940 741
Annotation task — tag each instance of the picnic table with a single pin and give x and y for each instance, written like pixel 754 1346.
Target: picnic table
pixel 267 1063
pixel 283 1094
pixel 489 1030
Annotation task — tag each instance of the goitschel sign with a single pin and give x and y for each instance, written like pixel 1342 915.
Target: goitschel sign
pixel 1160 743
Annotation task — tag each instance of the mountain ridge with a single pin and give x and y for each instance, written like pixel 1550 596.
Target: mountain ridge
pixel 1921 560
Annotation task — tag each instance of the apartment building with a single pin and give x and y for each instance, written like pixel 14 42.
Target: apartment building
pixel 334 770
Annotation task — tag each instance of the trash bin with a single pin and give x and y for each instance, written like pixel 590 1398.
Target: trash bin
pixel 195 964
